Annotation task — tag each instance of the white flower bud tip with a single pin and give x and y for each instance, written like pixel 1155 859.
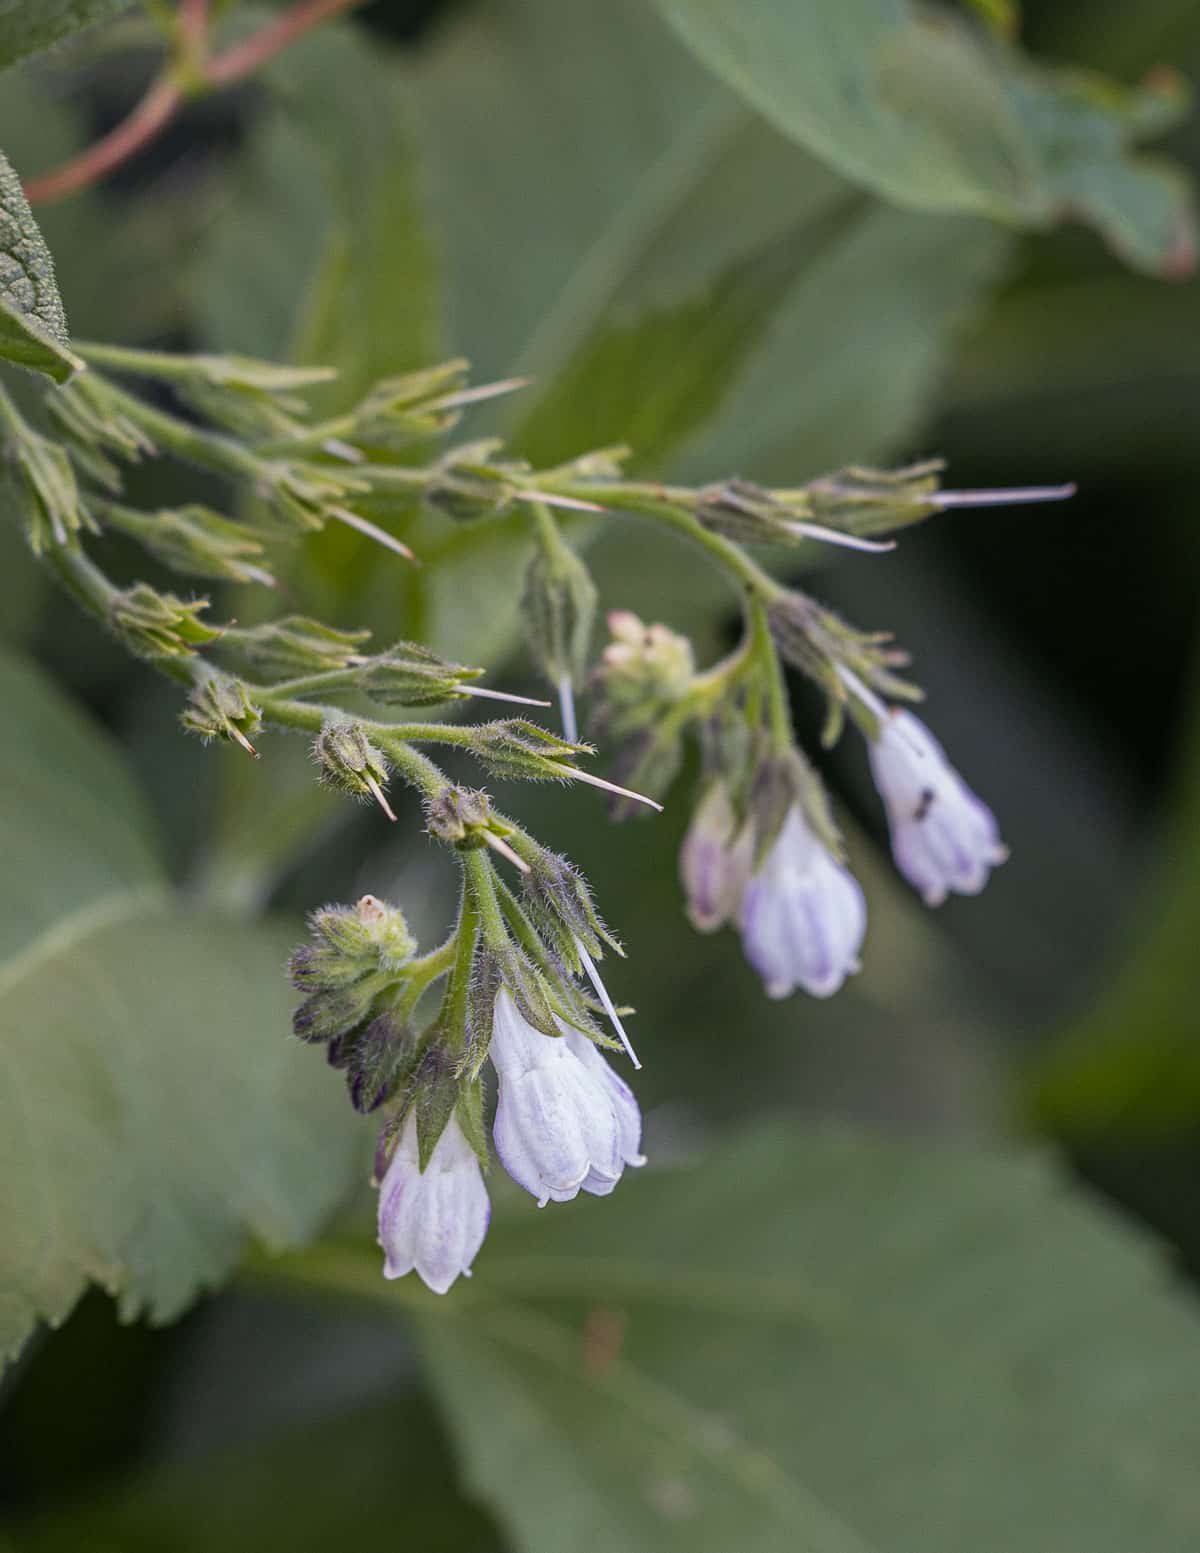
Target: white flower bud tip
pixel 563 1121
pixel 433 1221
pixel 944 838
pixel 803 915
pixel 715 861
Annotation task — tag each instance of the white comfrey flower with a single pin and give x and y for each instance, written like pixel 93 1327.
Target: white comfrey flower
pixel 803 914
pixel 715 861
pixel 556 1127
pixel 943 837
pixel 433 1220
pixel 625 1108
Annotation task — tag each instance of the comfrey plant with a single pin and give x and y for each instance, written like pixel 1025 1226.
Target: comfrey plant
pixel 514 993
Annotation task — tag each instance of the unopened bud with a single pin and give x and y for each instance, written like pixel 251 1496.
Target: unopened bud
pixel 466 484
pixel 349 942
pixel 515 747
pixel 193 540
pixel 159 625
pixel 297 645
pixel 349 760
pixel 643 671
pixel 93 419
pixel 378 1060
pixel 41 483
pixel 411 675
pixel 559 901
pixel 559 608
pixel 220 708
pixel 457 816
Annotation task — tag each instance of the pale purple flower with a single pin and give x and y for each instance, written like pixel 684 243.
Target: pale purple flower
pixel 943 837
pixel 433 1220
pixel 556 1127
pixel 714 861
pixel 803 914
pixel 625 1108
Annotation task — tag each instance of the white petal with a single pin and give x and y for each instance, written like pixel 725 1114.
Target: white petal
pixel 943 837
pixel 714 861
pixel 803 916
pixel 433 1220
pixel 622 1099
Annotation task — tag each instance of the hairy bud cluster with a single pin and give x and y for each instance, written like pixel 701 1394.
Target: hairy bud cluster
pixel 350 974
pixel 41 483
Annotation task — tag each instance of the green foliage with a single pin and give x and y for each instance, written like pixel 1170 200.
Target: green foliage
pixel 935 114
pixel 26 26
pixel 33 325
pixel 821 1340
pixel 154 1118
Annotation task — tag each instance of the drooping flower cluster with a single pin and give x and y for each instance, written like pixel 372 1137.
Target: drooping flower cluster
pixel 564 1121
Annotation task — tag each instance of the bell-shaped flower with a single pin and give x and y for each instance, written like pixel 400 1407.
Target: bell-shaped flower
pixel 943 837
pixel 803 914
pixel 556 1128
pixel 714 861
pixel 433 1220
pixel 625 1109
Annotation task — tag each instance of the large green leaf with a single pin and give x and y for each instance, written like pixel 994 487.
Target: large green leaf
pixel 33 325
pixel 936 113
pixel 29 25
pixel 820 1340
pixel 154 1112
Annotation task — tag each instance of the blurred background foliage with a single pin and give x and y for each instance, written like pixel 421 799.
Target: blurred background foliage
pixel 559 188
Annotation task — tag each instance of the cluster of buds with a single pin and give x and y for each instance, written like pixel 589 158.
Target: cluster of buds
pixel 564 1121
pixel 640 686
pixel 40 482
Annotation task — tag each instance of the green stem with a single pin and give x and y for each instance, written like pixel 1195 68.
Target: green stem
pixel 424 971
pixel 668 506
pixel 481 884
pixel 453 1020
pixel 195 445
pixel 779 714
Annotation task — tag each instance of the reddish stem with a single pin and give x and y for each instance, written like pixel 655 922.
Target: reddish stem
pixel 166 95
pixel 156 109
pixel 243 59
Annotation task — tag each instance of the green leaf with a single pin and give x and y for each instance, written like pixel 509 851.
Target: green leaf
pixel 33 325
pixel 825 1341
pixel 29 25
pixel 935 113
pixel 155 1113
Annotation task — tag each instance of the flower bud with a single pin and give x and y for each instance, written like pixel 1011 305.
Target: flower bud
pixel 715 860
pixel 160 625
pixel 457 815
pixel 92 418
pixel 466 484
pixel 411 675
pixel 864 501
pixel 220 708
pixel 821 645
pixel 41 483
pixel 193 540
pixel 643 671
pixel 559 902
pixel 379 1059
pixel 297 645
pixel 559 609
pixel 514 747
pixel 350 761
pixel 349 942
pixel 743 512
